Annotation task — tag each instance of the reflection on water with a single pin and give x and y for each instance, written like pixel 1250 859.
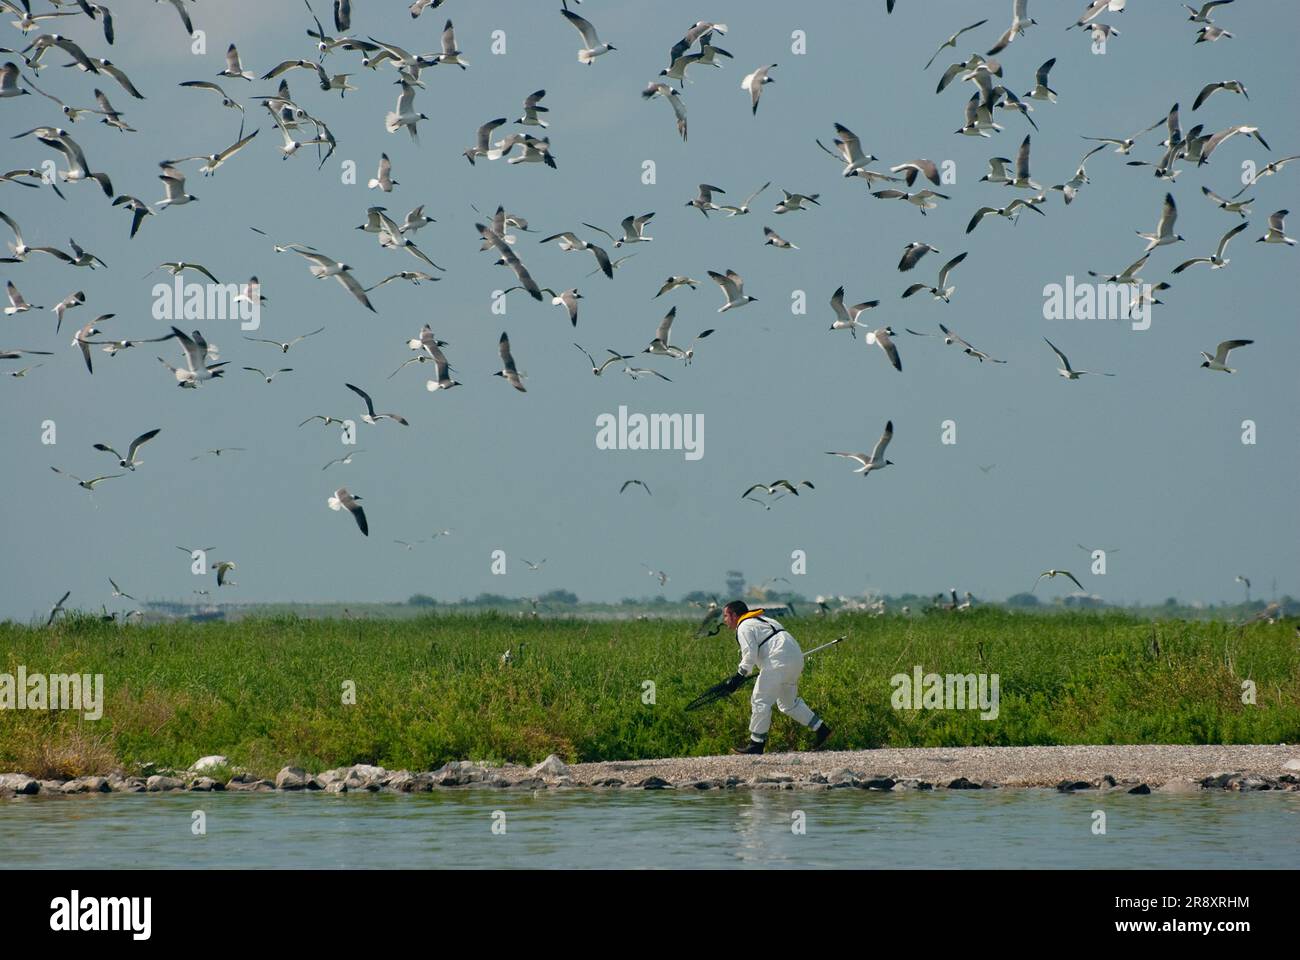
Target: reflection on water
pixel 840 828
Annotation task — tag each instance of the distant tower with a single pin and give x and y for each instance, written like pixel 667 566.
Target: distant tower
pixel 735 583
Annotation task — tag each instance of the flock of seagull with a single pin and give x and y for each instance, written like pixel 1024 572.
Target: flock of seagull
pixel 692 58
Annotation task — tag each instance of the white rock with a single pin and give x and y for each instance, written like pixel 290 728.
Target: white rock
pixel 19 783
pixel 1292 764
pixel 551 768
pixel 207 763
pixel 291 778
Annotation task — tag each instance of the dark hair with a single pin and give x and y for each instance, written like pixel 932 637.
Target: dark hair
pixel 737 607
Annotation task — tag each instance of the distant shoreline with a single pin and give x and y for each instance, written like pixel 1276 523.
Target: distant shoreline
pixel 1137 769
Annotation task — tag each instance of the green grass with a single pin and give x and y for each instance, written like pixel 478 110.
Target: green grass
pixel 268 692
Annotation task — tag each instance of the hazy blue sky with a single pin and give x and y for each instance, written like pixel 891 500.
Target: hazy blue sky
pixel 1149 461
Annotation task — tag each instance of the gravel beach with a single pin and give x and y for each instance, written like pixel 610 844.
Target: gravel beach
pixel 1136 769
pixel 1003 766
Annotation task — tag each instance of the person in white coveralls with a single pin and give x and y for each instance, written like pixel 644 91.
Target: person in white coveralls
pixel 767 646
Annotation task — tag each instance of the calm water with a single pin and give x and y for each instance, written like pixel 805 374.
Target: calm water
pixel 844 828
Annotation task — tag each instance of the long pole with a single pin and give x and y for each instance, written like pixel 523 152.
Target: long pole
pixel 809 653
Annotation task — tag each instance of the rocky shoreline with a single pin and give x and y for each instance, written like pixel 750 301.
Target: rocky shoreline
pixel 1131 769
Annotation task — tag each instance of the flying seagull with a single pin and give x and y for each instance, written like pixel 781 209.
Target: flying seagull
pixel 322 266
pixel 1066 370
pixel 639 483
pixel 1165 228
pixel 942 291
pixel 532 107
pixel 1216 260
pixel 594 48
pixel 754 83
pixel 57 608
pixel 508 369
pixel 673 282
pixel 370 416
pixel 1239 207
pixel 1277 229
pixel 633 228
pixel 794 201
pixel 284 346
pixel 1056 573
pixel 343 500
pixel 197 369
pixel 383 178
pixel 883 338
pixel 1010 211
pixel 704 202
pixel 733 288
pixel 268 377
pixel 1220 359
pixel 1207 91
pixel 774 239
pixel 1041 90
pixel 952 41
pixel 88 484
pixel 874 460
pixel 1266 171
pixel 912 253
pixel 511 260
pixel 344 460
pixel 615 357
pixel 657 88
pixel 923 200
pixel 846 318
pixel 16 302
pixel 129 461
pixel 222 567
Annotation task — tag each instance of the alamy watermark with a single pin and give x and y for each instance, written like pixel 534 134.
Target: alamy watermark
pixel 1099 301
pixel 953 691
pixel 54 691
pixel 655 431
pixel 180 300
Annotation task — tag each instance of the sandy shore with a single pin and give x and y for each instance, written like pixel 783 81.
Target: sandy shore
pixel 1003 766
pixel 1136 769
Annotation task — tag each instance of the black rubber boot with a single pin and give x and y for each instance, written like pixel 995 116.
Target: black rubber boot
pixel 823 732
pixel 753 746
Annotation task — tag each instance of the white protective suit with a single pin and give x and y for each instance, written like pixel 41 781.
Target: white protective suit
pixel 769 647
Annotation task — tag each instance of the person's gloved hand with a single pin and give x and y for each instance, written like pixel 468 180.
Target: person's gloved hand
pixel 733 682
